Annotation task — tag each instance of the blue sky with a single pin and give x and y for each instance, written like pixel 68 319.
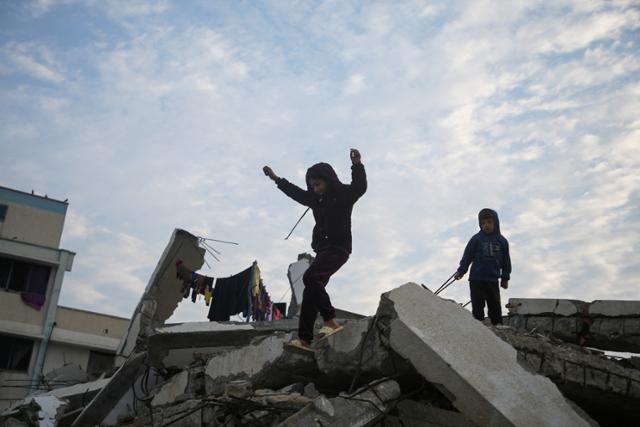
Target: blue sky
pixel 153 115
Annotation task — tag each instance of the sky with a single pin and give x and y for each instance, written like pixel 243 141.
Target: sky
pixel 150 116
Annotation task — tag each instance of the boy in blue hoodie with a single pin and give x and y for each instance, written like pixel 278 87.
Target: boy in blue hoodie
pixel 488 254
pixel 331 202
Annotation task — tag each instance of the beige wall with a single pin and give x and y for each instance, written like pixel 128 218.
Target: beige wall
pixel 59 355
pixel 13 309
pixel 32 225
pixel 91 323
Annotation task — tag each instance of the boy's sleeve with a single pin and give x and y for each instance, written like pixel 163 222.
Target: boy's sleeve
pixel 506 262
pixel 296 193
pixel 467 256
pixel 358 181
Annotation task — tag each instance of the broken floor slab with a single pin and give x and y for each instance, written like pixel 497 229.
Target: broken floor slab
pixel 479 372
pixel 174 346
pixel 363 408
pixel 605 324
pixel 163 292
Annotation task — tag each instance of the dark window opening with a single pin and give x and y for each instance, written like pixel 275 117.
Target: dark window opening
pixel 23 276
pixel 3 212
pixel 15 353
pixel 99 363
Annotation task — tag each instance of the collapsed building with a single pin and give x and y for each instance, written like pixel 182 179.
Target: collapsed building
pixel 419 361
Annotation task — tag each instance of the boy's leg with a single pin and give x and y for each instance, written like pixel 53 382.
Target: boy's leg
pixel 315 298
pixel 494 307
pixel 477 299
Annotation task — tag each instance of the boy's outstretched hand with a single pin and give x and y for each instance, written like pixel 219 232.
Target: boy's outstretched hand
pixel 504 283
pixel 269 172
pixel 355 156
pixel 458 275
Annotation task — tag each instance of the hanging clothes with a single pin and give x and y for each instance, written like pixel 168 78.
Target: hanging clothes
pixel 232 295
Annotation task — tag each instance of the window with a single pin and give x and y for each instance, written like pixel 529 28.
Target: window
pixel 3 212
pixel 23 276
pixel 99 363
pixel 15 353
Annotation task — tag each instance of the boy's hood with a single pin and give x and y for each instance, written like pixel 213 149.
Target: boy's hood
pixel 323 171
pixel 494 215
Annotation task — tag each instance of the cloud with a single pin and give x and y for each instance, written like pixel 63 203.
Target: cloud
pixel 166 120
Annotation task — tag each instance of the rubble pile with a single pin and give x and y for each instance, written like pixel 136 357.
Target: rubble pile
pixel 419 361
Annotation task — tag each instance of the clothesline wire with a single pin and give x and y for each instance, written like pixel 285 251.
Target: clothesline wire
pixel 219 241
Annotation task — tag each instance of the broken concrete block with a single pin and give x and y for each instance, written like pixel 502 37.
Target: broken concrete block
pixel 169 392
pixel 310 391
pixel 264 362
pixel 356 349
pixel 363 408
pixel 479 372
pixel 238 388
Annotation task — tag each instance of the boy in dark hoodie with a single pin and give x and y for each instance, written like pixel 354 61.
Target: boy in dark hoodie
pixel 488 254
pixel 331 203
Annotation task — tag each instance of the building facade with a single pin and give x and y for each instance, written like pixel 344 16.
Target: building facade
pixel 37 335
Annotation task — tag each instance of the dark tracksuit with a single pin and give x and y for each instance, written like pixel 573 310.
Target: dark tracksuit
pixel 331 236
pixel 489 257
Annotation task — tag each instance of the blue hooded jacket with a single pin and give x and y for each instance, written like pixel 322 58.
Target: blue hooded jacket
pixel 488 254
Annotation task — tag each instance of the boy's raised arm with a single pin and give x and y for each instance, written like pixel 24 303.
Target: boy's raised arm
pixel 293 191
pixel 358 175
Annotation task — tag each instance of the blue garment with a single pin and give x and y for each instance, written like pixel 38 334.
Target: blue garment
pixel 488 254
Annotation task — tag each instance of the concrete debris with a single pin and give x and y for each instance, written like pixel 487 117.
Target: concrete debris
pixel 102 404
pixel 420 361
pixel 363 408
pixel 605 324
pixel 42 411
pixel 587 377
pixel 174 346
pixel 170 391
pixel 479 372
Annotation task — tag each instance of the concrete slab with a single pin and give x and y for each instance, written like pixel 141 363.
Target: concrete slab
pixel 615 308
pixel 542 306
pixel 467 362
pixel 163 292
pixel 363 408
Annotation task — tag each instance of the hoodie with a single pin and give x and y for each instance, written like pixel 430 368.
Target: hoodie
pixel 332 210
pixel 488 254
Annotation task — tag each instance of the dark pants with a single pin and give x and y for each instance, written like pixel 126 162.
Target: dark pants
pixel 489 292
pixel 315 298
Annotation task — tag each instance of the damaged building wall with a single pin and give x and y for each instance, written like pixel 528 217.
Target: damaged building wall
pixel 605 324
pixel 163 291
